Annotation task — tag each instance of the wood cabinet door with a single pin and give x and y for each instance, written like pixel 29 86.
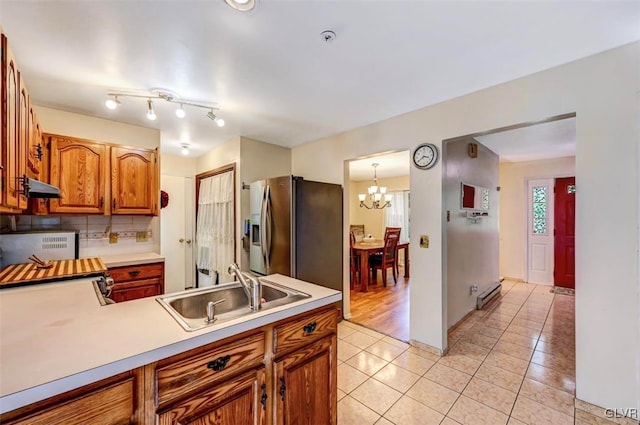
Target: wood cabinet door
pixel 238 401
pixel 24 134
pixel 305 385
pixel 79 169
pixel 35 144
pixel 10 151
pixel 133 181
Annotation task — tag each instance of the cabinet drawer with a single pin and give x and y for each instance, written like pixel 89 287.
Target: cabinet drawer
pixel 304 330
pixel 145 271
pixel 183 376
pixel 113 404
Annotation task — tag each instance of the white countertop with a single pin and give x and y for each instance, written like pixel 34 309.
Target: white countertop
pixel 56 337
pixel 132 259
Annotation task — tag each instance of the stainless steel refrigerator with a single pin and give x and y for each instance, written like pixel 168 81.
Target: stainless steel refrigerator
pixel 296 230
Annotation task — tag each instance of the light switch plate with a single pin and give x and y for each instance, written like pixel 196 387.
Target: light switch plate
pixel 141 236
pixel 113 237
pixel 424 241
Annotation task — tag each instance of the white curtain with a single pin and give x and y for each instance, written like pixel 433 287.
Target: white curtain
pixel 397 215
pixel 214 225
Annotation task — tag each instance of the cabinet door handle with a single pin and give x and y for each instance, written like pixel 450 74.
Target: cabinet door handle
pixel 283 388
pixel 188 240
pixel 181 240
pixel 101 201
pixel 219 363
pixel 114 203
pixel 310 328
pixel 134 273
pixel 263 397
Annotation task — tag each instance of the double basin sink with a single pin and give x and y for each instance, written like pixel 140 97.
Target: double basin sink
pixel 189 308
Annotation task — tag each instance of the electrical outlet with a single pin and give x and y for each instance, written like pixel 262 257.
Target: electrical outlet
pixel 141 236
pixel 474 288
pixel 424 241
pixel 113 237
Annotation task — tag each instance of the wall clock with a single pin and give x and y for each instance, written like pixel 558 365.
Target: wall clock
pixel 425 156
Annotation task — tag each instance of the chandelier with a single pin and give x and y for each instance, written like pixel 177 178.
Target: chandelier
pixel 375 194
pixel 113 102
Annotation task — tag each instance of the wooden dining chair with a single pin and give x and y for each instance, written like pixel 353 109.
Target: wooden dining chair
pixel 355 261
pixel 394 229
pixel 387 259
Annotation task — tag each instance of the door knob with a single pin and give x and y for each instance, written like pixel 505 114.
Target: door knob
pixel 181 240
pixel 188 240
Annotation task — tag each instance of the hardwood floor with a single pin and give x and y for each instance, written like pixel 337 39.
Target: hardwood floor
pixel 385 310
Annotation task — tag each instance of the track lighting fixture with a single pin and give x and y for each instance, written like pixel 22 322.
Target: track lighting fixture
pixel 215 119
pixel 113 102
pixel 151 114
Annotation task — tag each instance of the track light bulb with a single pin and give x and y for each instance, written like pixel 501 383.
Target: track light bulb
pixel 180 113
pixel 219 121
pixel 112 103
pixel 151 114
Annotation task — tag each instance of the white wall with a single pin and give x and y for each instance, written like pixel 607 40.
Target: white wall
pixel 85 127
pixel 373 220
pixel 603 91
pixel 513 208
pixel 472 247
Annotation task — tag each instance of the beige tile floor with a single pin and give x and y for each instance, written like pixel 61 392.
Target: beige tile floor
pixel 511 364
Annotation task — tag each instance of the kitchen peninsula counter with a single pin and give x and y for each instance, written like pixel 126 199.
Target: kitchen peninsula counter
pixel 56 337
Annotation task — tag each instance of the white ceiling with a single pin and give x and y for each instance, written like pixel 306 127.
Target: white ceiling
pixel 541 141
pixel 273 77
pixel 391 165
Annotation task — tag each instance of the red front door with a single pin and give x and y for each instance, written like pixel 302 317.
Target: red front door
pixel 564 230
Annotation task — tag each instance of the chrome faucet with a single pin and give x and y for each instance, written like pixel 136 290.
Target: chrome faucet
pixel 252 286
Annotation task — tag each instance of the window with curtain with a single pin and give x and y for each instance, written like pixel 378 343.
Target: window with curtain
pixel 215 226
pixel 397 215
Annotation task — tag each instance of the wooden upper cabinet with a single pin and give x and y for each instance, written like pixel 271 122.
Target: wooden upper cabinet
pixel 133 181
pixel 34 147
pixel 79 169
pixel 10 152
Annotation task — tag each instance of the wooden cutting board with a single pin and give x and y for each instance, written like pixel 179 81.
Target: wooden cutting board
pixel 22 274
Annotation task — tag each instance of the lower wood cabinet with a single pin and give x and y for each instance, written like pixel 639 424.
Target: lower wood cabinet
pixel 133 282
pixel 112 401
pixel 237 401
pixel 246 379
pixel 305 382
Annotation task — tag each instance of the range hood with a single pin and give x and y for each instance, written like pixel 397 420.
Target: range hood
pixel 33 188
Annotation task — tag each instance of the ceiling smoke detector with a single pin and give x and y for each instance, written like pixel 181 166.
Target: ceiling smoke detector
pixel 328 36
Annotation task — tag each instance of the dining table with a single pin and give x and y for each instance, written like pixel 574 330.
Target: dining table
pixel 366 248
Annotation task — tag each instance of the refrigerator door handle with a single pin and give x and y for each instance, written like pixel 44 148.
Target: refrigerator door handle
pixel 267 222
pixel 263 227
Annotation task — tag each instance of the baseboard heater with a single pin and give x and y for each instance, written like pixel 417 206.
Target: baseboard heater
pixel 486 296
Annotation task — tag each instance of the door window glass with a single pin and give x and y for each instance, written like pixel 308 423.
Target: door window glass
pixel 539 210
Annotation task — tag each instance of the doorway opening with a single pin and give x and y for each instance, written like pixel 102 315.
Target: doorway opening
pixel 379 272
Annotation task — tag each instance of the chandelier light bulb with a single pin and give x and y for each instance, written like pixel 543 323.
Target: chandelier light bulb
pixel 151 114
pixel 180 113
pixel 376 194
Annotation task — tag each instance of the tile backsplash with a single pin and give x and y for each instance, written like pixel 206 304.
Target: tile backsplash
pixel 94 231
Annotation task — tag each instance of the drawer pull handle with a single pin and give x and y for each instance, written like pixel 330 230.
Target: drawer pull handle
pixel 134 273
pixel 219 363
pixel 310 328
pixel 283 388
pixel 263 398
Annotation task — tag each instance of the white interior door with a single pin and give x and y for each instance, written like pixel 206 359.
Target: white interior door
pixel 540 231
pixel 176 227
